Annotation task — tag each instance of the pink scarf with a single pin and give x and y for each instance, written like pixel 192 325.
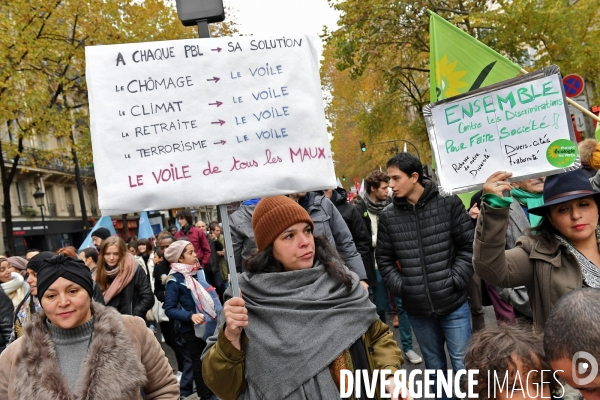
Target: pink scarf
pixel 123 278
pixel 200 295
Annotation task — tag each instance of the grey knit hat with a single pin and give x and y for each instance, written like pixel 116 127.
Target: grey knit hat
pixel 175 250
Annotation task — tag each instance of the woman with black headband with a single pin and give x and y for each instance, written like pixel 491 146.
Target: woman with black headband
pixel 76 348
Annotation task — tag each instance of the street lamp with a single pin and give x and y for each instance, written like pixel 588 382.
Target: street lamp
pixel 39 200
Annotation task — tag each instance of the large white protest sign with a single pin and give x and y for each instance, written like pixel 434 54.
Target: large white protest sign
pixel 206 121
pixel 521 125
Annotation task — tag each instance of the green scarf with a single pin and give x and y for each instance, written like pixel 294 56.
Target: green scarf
pixel 530 200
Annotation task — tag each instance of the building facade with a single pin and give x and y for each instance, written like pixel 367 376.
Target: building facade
pixel 44 166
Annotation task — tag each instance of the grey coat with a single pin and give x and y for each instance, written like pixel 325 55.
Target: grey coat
pixel 330 223
pixel 242 235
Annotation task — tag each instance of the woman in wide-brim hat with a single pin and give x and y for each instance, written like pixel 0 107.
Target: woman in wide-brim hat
pixel 559 255
pixel 303 317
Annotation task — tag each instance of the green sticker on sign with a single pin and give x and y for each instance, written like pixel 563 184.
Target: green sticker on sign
pixel 561 153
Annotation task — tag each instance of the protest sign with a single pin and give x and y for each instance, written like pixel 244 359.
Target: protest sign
pixel 206 121
pixel 521 125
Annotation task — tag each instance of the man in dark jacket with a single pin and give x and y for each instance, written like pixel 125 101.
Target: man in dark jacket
pixel 424 252
pixel 370 208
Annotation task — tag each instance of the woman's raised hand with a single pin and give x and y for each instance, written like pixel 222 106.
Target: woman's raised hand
pixel 236 318
pixel 497 183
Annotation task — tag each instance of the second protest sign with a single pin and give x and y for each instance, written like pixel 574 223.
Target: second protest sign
pixel 521 125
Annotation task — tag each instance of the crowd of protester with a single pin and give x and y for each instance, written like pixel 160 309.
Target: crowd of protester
pixel 318 276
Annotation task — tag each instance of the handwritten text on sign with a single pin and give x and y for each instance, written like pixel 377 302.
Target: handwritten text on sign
pixel 515 129
pixel 206 121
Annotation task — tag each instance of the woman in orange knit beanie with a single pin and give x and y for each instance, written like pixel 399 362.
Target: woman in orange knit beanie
pixel 302 319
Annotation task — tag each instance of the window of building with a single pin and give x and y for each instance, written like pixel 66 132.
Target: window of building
pixel 22 193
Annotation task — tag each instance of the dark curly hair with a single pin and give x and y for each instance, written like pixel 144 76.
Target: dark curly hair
pixel 265 262
pixel 545 231
pixel 493 351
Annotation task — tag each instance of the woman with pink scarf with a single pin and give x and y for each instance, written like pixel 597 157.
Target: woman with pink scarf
pixel 190 300
pixel 124 284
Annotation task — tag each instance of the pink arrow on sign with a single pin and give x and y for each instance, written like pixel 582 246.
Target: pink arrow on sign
pixel 221 142
pixel 220 122
pixel 218 49
pixel 214 78
pixel 218 103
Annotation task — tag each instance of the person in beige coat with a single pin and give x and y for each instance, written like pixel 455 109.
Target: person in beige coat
pixel 561 254
pixel 78 349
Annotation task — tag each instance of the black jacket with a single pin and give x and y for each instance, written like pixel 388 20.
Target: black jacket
pixel 424 251
pixel 136 298
pixel 360 235
pixel 7 311
pixel 369 261
pixel 160 269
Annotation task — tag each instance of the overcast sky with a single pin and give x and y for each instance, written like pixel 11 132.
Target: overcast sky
pixel 279 17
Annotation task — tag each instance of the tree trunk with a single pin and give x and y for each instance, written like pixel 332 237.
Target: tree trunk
pixel 7 180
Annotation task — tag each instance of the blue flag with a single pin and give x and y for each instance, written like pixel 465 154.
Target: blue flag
pixel 145 229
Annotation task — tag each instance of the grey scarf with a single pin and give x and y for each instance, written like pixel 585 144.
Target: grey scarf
pixel 375 207
pixel 299 322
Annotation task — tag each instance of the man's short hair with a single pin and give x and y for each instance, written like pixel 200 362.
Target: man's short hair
pixel 574 325
pixel 374 180
pixel 214 225
pixel 90 252
pixel 408 164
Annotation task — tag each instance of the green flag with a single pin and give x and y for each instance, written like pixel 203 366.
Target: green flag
pixel 460 63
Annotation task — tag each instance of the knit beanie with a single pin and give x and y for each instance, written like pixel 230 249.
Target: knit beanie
pixel 273 215
pixel 102 233
pixel 175 250
pixel 18 262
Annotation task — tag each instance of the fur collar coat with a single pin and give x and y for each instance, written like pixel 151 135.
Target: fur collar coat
pixel 124 361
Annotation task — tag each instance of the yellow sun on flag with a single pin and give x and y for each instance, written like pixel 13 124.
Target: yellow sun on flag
pixel 448 80
pixel 553 151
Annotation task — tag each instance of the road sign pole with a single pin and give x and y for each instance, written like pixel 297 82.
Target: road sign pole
pixel 574 104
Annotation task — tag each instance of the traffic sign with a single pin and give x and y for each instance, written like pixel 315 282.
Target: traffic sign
pixel 573 84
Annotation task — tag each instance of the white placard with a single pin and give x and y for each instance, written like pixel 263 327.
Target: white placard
pixel 519 126
pixel 206 121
